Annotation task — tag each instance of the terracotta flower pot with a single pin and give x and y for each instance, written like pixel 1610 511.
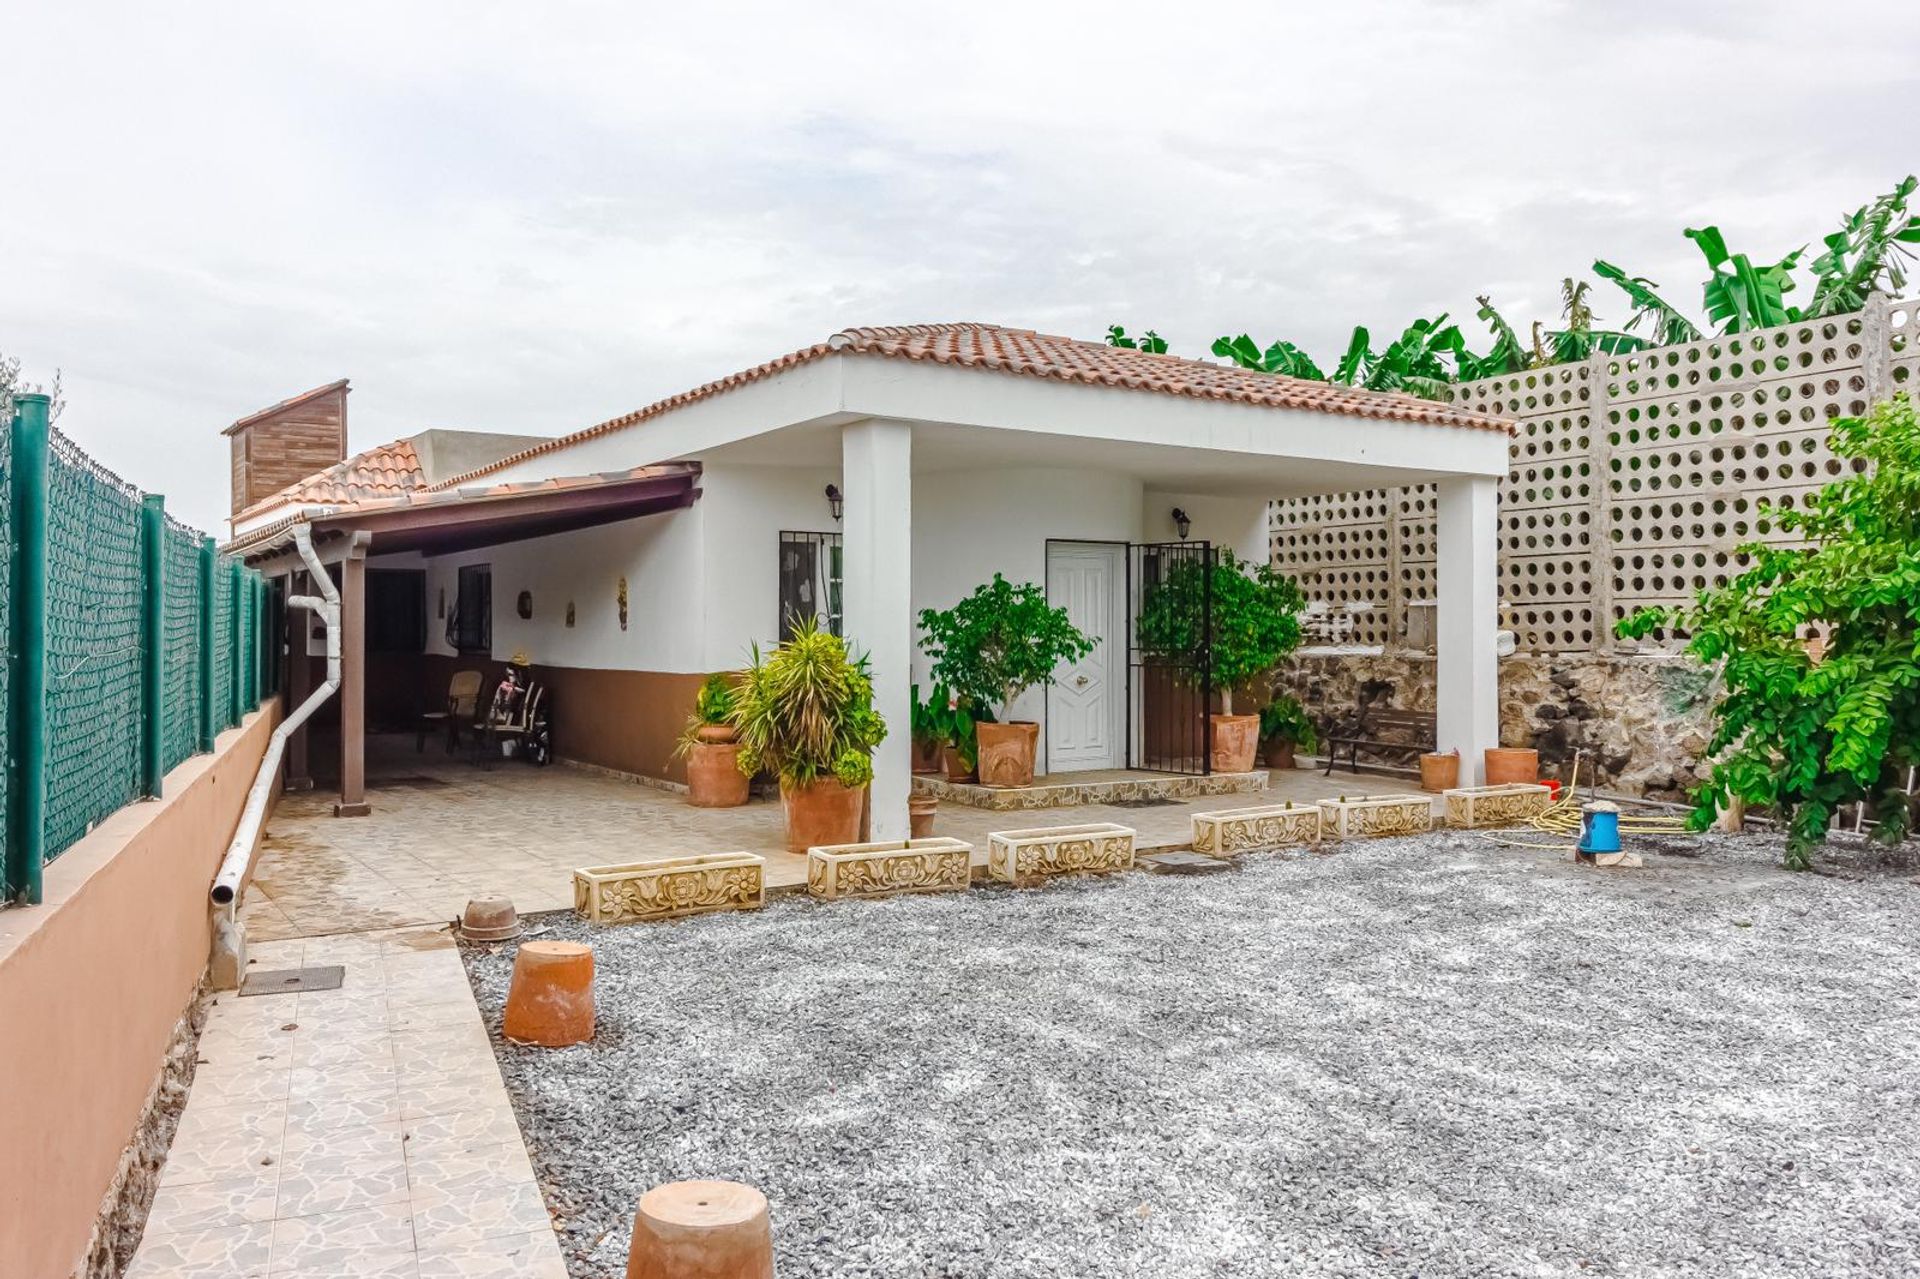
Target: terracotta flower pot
pixel 550 997
pixel 1512 764
pixel 1007 751
pixel 1235 738
pixel 1280 754
pixel 920 812
pixel 822 812
pixel 714 779
pixel 957 770
pixel 1440 772
pixel 926 755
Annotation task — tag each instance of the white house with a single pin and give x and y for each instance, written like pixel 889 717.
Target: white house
pixel 632 557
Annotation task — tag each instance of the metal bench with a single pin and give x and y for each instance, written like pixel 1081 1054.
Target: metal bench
pixel 1379 730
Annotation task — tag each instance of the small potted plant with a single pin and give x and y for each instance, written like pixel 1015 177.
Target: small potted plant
pixel 804 712
pixel 711 750
pixel 988 649
pixel 1284 728
pixel 1243 617
pixel 929 729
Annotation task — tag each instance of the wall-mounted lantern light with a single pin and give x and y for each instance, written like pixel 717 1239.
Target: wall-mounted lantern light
pixel 1181 523
pixel 834 501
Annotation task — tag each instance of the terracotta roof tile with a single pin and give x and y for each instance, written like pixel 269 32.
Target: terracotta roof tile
pixel 1023 352
pixel 386 471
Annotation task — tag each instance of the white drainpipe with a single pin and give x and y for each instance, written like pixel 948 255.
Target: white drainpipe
pixel 233 868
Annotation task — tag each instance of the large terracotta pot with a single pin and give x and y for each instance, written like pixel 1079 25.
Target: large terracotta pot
pixel 822 812
pixel 1235 738
pixel 1007 751
pixel 957 770
pixel 926 755
pixel 1439 772
pixel 1512 764
pixel 1280 754
pixel 714 779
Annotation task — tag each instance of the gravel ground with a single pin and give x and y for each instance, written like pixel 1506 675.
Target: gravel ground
pixel 1410 1057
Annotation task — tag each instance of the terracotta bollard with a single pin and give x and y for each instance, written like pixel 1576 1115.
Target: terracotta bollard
pixel 701 1230
pixel 550 999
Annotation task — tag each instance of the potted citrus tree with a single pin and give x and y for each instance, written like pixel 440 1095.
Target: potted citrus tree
pixel 988 649
pixel 1244 617
pixel 711 749
pixel 804 712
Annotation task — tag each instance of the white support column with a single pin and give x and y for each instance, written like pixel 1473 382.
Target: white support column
pixel 876 475
pixel 1468 620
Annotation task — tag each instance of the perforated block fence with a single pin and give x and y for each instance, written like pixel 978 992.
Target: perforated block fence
pixel 108 623
pixel 1634 480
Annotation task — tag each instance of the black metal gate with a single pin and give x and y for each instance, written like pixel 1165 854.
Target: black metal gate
pixel 1170 678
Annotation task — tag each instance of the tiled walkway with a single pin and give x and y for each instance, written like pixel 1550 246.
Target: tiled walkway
pixel 361 1133
pixel 364 1133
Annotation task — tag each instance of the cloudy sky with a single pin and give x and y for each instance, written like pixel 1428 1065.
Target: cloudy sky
pixel 531 217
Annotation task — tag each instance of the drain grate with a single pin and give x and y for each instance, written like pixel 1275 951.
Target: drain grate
pixel 289 981
pixel 1149 801
pixel 1181 862
pixel 419 781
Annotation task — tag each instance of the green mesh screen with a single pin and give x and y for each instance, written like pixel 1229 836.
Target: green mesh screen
pixel 6 637
pixel 93 644
pixel 180 633
pixel 222 642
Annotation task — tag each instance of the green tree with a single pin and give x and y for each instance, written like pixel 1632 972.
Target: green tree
pixel 998 642
pixel 1251 621
pixel 1807 731
pixel 805 710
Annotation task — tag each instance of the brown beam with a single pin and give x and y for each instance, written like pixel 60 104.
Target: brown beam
pixel 353 686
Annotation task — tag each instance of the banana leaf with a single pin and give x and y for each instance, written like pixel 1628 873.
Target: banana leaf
pixel 1865 254
pixel 1354 363
pixel 1740 296
pixel 1649 308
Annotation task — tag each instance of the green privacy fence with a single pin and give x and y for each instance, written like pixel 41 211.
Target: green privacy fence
pixel 128 644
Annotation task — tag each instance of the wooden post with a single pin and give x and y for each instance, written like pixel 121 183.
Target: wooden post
pixel 353 685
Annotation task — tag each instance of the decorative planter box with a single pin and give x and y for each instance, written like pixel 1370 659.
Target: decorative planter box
pixel 1027 856
pixel 1475 806
pixel 670 887
pixel 1366 816
pixel 1232 831
pixel 935 865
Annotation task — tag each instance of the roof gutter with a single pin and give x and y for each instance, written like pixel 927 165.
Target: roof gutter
pixel 233 867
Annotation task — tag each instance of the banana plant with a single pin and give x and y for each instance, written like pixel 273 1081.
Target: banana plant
pixel 1507 355
pixel 1668 325
pixel 1149 341
pixel 1580 339
pixel 1281 357
pixel 1865 254
pixel 1739 295
pixel 1412 362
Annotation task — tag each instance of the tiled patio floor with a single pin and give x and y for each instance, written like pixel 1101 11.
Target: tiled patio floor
pixel 362 1132
pixel 443 831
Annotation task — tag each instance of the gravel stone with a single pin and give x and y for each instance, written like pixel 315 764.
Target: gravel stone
pixel 1433 1056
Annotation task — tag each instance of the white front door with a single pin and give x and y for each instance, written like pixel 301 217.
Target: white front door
pixel 1086 707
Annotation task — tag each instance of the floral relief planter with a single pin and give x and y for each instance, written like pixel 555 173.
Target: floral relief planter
pixel 1232 831
pixel 888 867
pixel 1373 816
pixel 1483 806
pixel 670 887
pixel 1028 856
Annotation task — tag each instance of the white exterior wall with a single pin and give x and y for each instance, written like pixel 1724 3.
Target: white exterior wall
pixel 744 510
pixel 1236 522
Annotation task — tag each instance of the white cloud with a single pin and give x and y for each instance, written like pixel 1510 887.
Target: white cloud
pixel 533 217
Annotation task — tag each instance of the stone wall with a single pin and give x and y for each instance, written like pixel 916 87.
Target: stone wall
pixel 1642 720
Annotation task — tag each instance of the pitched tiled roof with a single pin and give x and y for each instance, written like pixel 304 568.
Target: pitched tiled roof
pixel 287 403
pixel 1026 353
pixel 387 471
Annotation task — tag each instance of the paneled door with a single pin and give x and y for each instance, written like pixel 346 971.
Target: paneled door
pixel 1087 705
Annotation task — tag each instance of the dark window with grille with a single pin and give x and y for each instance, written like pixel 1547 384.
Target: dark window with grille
pixel 809 580
pixel 396 610
pixel 470 620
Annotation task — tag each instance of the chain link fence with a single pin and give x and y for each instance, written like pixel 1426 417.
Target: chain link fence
pixel 104 616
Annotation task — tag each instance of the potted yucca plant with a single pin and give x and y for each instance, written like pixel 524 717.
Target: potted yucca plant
pixel 711 749
pixel 804 712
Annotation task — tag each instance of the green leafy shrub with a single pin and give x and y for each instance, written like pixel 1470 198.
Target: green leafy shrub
pixel 1285 719
pixel 1254 612
pixel 712 705
pixel 998 642
pixel 805 710
pixel 1801 731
